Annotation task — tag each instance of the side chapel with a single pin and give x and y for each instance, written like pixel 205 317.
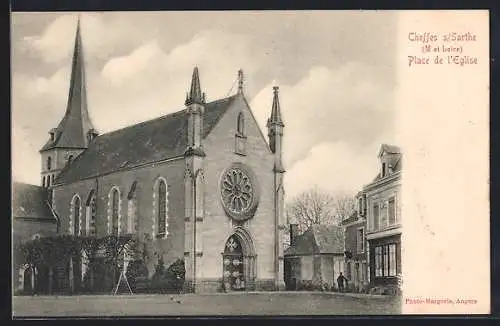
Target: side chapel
pixel 201 184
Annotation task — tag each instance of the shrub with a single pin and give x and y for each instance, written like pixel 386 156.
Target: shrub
pixel 170 280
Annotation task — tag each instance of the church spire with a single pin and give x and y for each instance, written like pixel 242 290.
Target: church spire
pixel 75 129
pixel 276 110
pixel 195 96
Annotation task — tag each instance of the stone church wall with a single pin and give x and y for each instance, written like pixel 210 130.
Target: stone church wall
pixel 217 226
pixel 172 247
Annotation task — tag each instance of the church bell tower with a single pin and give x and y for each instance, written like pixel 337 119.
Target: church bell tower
pixel 75 131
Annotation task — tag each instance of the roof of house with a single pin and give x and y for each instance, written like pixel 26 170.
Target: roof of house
pixel 395 161
pixel 30 201
pixel 391 149
pixel 352 218
pixel 318 239
pixel 150 141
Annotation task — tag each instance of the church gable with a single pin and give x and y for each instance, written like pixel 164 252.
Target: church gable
pixel 238 129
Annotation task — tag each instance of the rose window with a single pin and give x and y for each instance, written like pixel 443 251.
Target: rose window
pixel 238 193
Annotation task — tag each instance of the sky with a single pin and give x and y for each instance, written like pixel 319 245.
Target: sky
pixel 336 71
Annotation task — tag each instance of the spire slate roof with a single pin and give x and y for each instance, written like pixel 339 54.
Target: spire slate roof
pixel 195 95
pixel 150 141
pixel 73 128
pixel 276 110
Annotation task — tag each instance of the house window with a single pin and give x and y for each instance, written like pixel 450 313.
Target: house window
pixel 43 181
pixel 360 240
pixel 162 208
pixel 392 260
pixel 386 260
pixel 392 211
pixel 49 163
pixel 241 124
pixel 376 216
pixel 360 204
pixel 115 200
pixel 76 215
pixel 383 170
pixel 378 262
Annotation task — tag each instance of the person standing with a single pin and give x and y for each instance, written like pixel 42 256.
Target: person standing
pixel 340 282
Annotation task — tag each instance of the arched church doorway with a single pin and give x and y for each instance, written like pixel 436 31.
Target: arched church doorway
pixel 238 261
pixel 234 278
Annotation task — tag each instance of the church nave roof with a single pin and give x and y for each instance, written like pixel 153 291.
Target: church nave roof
pixel 150 141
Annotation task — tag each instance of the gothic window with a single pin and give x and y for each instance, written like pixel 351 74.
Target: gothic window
pixel 115 201
pixel 76 215
pixel 49 163
pixel 238 191
pixel 91 213
pixel 241 124
pixel 132 222
pixel 162 208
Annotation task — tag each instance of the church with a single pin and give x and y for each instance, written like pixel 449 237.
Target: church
pixel 202 184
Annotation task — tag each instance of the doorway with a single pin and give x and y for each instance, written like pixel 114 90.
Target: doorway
pixel 233 265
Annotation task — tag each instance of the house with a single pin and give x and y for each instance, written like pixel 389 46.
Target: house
pixel 383 198
pixel 356 263
pixel 201 184
pixel 31 219
pixel 315 256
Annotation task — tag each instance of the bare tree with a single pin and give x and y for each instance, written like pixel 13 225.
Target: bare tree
pixel 316 206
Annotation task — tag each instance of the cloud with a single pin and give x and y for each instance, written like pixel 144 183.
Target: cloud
pixel 135 74
pixel 102 36
pixel 347 104
pixel 145 83
pixel 334 167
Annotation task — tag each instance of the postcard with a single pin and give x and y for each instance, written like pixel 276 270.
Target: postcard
pixel 250 163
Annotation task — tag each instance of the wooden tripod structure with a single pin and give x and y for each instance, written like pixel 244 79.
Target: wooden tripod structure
pixel 123 276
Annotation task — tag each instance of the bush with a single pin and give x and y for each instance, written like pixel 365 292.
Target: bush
pixel 137 275
pixel 170 280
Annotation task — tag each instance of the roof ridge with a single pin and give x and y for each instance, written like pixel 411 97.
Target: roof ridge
pixel 171 114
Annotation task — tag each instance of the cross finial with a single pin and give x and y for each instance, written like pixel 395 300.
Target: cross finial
pixel 240 81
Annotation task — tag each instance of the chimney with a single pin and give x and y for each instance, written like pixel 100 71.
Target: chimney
pixel 294 230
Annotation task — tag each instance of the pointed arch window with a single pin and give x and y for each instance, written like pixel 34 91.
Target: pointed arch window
pixel 91 214
pixel 49 163
pixel 160 208
pixel 241 124
pixel 76 215
pixel 115 202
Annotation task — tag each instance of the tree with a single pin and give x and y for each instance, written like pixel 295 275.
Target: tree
pixel 317 206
